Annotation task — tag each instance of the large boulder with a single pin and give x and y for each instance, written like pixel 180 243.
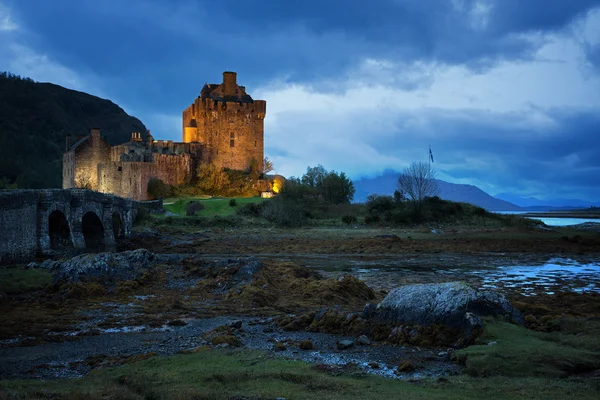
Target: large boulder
pixel 452 304
pixel 128 265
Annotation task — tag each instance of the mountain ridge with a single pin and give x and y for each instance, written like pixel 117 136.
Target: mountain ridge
pixel 385 184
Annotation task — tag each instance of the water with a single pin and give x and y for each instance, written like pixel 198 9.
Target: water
pixel 553 221
pixel 525 275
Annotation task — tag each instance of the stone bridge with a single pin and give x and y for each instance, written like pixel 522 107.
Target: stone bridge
pixel 57 221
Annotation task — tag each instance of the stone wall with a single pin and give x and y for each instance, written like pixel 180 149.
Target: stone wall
pixel 217 124
pixel 130 179
pixel 18 224
pixel 80 164
pixel 25 219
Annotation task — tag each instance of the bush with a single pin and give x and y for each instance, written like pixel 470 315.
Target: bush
pixel 372 219
pixel 192 207
pixel 284 213
pixel 157 188
pixel 379 204
pixel 232 203
pixel 250 210
pixel 349 219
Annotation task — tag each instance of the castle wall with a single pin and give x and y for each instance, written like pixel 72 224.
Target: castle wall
pixel 218 123
pixel 80 164
pixel 68 170
pixel 130 179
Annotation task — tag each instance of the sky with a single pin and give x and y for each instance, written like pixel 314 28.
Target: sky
pixel 506 92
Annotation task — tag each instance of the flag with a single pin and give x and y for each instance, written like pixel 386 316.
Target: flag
pixel 430 155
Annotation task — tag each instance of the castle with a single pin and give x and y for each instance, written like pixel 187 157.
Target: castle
pixel 224 126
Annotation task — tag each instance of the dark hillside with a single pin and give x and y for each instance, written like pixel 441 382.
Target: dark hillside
pixel 34 121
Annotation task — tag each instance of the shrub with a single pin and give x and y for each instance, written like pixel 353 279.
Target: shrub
pixel 379 204
pixel 284 213
pixel 349 219
pixel 192 207
pixel 250 210
pixel 232 203
pixel 372 219
pixel 157 188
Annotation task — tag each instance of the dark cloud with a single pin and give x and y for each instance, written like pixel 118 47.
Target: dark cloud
pixel 153 56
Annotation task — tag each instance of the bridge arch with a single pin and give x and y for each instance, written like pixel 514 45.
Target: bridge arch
pixel 59 231
pixel 93 232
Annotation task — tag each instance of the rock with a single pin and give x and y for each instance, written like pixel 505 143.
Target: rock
pixel 405 366
pixel 453 304
pixel 128 265
pixel 268 329
pixel 279 346
pixel 306 345
pixel 235 324
pixel 373 365
pixel 387 236
pixel 345 344
pixel 177 322
pixel 363 341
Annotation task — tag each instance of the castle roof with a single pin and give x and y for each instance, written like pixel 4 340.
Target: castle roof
pixel 79 142
pixel 214 91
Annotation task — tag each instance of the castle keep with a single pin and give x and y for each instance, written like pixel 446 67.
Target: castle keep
pixel 224 126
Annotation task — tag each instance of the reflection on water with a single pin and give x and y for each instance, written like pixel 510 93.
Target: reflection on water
pixel 525 275
pixel 564 274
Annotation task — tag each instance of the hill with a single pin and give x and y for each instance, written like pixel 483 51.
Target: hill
pixel 386 184
pixel 35 119
pixel 532 203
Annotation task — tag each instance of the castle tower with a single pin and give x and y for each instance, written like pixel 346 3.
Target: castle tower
pixel 229 124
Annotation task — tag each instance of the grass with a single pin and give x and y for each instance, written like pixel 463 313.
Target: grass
pixel 226 374
pixel 15 280
pixel 212 206
pixel 521 352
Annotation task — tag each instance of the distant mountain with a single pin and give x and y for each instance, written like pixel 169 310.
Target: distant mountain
pixel 386 184
pixel 532 203
pixel 474 195
pixel 35 119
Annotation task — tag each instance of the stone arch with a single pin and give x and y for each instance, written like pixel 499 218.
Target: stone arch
pixel 93 232
pixel 59 231
pixel 118 226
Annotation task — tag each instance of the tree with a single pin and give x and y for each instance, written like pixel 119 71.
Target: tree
pixel 417 182
pixel 318 183
pixel 212 179
pixel 267 165
pixel 157 188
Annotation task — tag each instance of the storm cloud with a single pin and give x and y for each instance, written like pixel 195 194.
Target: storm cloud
pixel 506 92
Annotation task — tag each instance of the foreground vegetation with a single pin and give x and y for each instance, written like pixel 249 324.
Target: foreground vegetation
pixel 243 374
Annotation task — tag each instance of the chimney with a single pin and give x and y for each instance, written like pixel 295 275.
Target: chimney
pixel 229 83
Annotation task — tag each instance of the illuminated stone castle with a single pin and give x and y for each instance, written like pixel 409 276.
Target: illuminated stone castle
pixel 224 126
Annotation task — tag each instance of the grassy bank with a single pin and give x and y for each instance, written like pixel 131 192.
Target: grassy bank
pixel 16 280
pixel 243 374
pixel 212 206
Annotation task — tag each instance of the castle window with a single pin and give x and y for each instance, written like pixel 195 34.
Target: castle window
pixel 232 136
pixel 120 169
pixel 232 143
pixel 255 143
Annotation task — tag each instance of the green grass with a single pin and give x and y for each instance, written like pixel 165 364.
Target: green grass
pixel 14 280
pixel 226 374
pixel 212 206
pixel 522 352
